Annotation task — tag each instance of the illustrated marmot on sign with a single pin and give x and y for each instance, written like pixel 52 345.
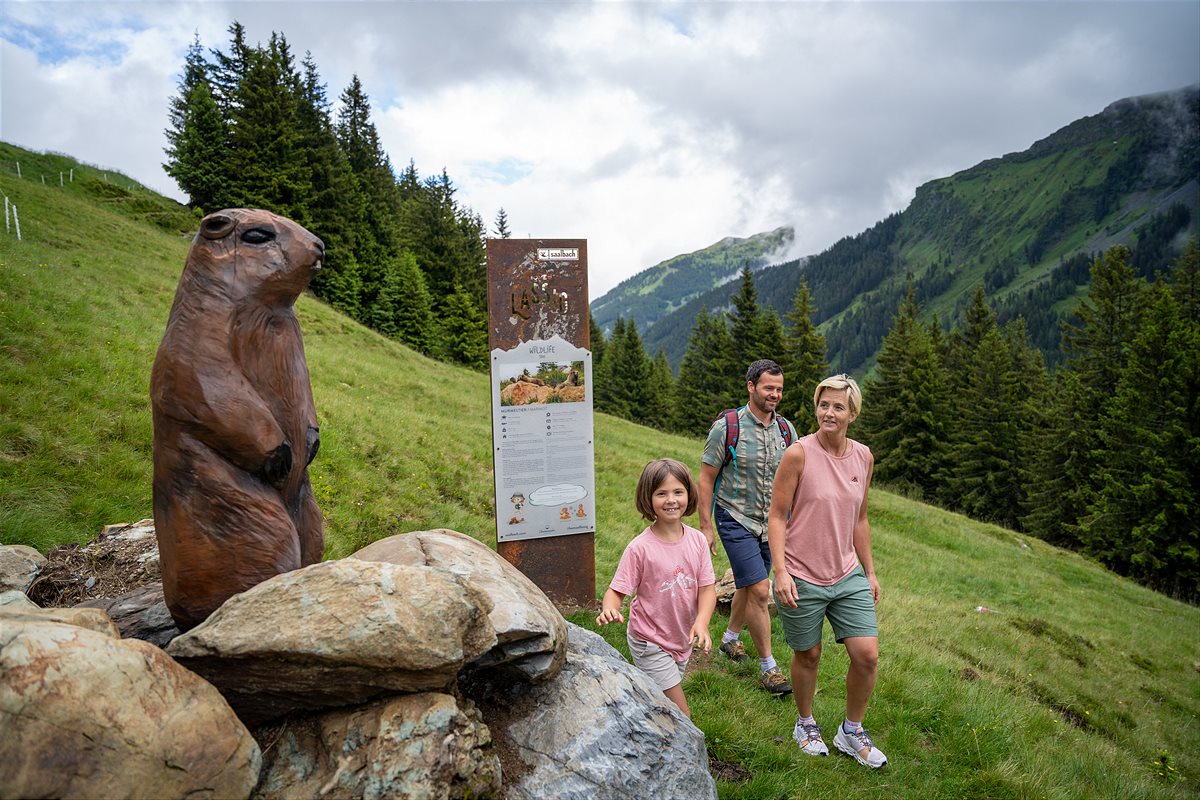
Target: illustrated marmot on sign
pixel 235 427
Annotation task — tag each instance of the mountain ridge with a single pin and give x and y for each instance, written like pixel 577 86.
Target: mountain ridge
pixel 647 296
pixel 1008 222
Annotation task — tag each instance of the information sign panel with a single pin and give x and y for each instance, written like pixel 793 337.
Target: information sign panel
pixel 542 435
pixel 545 499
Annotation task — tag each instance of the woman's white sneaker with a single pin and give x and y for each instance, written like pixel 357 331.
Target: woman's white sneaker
pixel 809 738
pixel 859 745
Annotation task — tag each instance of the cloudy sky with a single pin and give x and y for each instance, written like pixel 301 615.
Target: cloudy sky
pixel 650 129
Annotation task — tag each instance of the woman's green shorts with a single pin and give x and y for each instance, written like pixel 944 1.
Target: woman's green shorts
pixel 848 603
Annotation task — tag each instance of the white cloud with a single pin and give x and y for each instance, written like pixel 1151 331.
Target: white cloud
pixel 651 129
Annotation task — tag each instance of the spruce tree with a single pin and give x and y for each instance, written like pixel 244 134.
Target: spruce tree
pixel 264 133
pixel 447 241
pixel 501 230
pixel 1054 501
pixel 596 342
pixel 804 364
pixel 660 400
pixel 708 376
pixel 1096 352
pixel 463 331
pixel 1108 319
pixel 196 153
pixel 770 336
pixel 630 373
pixel 229 71
pixel 904 405
pixel 413 312
pixel 983 476
pixel 607 396
pixel 333 208
pixel 402 310
pixel 1143 519
pixel 195 72
pixel 623 388
pixel 745 324
pixel 1184 282
pixel 376 237
pixel 197 137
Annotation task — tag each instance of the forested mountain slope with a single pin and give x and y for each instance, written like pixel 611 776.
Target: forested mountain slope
pixel 1024 226
pixel 655 292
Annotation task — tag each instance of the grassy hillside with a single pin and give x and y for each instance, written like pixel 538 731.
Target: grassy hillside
pixel 1074 684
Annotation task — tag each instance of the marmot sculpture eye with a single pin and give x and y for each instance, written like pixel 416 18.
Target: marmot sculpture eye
pixel 258 236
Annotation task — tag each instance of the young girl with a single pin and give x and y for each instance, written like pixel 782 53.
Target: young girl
pixel 668 569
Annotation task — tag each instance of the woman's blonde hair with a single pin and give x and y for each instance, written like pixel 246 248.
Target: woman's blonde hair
pixel 842 383
pixel 653 476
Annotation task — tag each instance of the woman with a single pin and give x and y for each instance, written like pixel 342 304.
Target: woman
pixel 821 549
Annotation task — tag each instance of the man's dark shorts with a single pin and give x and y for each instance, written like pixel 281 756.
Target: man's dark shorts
pixel 749 557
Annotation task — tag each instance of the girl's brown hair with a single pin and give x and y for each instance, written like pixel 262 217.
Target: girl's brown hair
pixel 653 476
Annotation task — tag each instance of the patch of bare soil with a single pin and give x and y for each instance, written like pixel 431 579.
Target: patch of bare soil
pixel 121 558
pixel 727 771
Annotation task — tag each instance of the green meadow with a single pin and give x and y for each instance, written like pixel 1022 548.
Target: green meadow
pixel 1075 683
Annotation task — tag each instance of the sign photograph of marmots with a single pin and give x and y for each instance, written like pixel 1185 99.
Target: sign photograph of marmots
pixel 545 382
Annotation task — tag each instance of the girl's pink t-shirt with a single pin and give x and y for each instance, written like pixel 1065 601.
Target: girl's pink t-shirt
pixel 665 579
pixel 819 547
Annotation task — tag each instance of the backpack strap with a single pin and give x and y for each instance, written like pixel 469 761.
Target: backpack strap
pixel 785 430
pixel 732 431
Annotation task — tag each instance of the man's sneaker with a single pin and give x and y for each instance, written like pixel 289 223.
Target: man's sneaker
pixel 859 745
pixel 809 738
pixel 735 650
pixel 774 682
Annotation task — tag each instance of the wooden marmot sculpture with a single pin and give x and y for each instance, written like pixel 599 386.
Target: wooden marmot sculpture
pixel 235 427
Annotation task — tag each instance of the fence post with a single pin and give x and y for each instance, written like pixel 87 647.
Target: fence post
pixel 60 180
pixel 18 169
pixel 7 227
pixel 17 220
pixel 72 174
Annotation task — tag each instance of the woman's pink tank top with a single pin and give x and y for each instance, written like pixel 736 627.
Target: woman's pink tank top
pixel 820 533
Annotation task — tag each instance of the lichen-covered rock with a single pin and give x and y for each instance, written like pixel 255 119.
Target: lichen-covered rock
pixel 84 714
pixel 531 635
pixel 93 619
pixel 599 730
pixel 19 566
pixel 338 633
pixel 410 747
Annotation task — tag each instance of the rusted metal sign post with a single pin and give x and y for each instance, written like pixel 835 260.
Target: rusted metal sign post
pixel 541 378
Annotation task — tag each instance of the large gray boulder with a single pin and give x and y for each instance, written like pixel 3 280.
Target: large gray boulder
pixel 85 714
pixel 531 635
pixel 600 730
pixel 19 565
pixel 408 747
pixel 338 633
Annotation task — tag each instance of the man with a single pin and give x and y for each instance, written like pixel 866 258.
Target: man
pixel 735 496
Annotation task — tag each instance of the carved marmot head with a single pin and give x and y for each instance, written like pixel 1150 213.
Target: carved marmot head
pixel 256 254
